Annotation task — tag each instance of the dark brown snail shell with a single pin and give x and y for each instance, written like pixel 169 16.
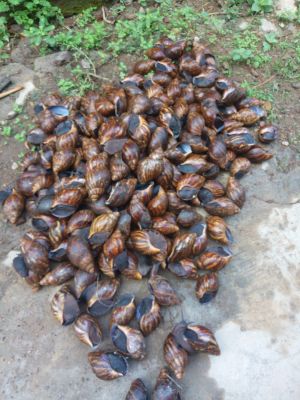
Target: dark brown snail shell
pixel 185 269
pixel 87 330
pixel 121 192
pixel 166 225
pixel 221 207
pixel 189 186
pixel 64 306
pixel 123 311
pixel 102 227
pixel 62 273
pixel 235 192
pixel 81 219
pixel 99 296
pixel 257 154
pixel 137 390
pixel 166 387
pixel 214 258
pixel 175 356
pixel 131 154
pixel 82 280
pixel 182 246
pixel 163 292
pixel 267 133
pixel 80 255
pixel 108 365
pixel 118 168
pixel 13 207
pixel 218 230
pixel 207 287
pixel 149 242
pixel 149 169
pixel 240 167
pixel 158 205
pixel 128 341
pixel 148 315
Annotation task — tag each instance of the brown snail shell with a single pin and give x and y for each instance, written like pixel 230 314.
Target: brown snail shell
pixel 163 292
pixel 143 67
pixel 218 230
pixel 62 160
pixel 81 219
pixel 123 311
pixel 114 245
pixel 66 136
pixel 248 116
pixel 221 207
pixel 194 164
pixel 257 154
pixel 267 133
pixel 185 269
pixel 13 207
pixel 189 186
pixel 35 254
pixel 137 390
pixel 200 242
pixel 148 315
pixel 131 154
pixel 158 205
pixel 149 242
pixel 166 225
pixel 188 217
pixel 102 227
pixel 108 365
pixel 207 287
pixel 165 387
pixel 90 148
pixel 214 258
pixel 97 176
pixel 106 265
pixel 111 129
pixel 99 296
pixel 240 167
pixel 139 130
pixel 64 306
pixel 128 341
pixel 87 329
pixel 194 338
pixel 175 356
pixel 121 192
pixel 82 280
pixel 66 202
pixel 62 273
pixel 165 179
pixel 57 232
pixel 182 246
pixel 80 255
pixel 159 140
pixel 148 169
pixel 139 213
pixel 235 192
pixel 240 143
pixel 118 168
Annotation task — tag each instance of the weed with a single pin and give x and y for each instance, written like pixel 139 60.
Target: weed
pixel 6 131
pixel 122 70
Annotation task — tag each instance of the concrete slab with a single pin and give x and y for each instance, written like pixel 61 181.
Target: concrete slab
pixel 256 314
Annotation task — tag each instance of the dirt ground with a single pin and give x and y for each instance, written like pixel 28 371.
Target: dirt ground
pixel 255 316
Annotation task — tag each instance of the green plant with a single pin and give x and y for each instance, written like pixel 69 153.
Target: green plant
pixel 6 131
pixel 258 6
pixel 78 85
pixel 122 70
pixel 28 14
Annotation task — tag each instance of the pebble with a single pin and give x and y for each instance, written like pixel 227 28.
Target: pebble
pixel 296 85
pixel 11 115
pixel 63 57
pixel 14 165
pixel 85 64
pixel 243 25
pixel 267 26
pixel 285 143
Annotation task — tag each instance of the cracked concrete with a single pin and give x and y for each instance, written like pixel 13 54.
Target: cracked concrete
pixel 256 314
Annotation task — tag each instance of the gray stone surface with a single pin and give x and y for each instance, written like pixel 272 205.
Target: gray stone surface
pixel 268 26
pixel 256 314
pixel 22 52
pixel 286 5
pixel 51 63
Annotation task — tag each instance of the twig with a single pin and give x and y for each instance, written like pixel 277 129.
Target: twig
pixel 11 91
pixel 264 82
pixel 98 76
pixel 105 18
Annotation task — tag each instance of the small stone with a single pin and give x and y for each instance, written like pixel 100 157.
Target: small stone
pixel 243 25
pixel 285 143
pixel 12 115
pixel 14 165
pixel 85 64
pixel 296 85
pixel 267 26
pixel 62 58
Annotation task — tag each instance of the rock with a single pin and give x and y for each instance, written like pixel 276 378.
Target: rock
pixel 19 75
pixel 22 52
pixel 15 28
pixel 286 5
pixel 11 115
pixel 51 62
pixel 243 25
pixel 63 57
pixel 267 26
pixel 14 165
pixel 296 85
pixel 285 143
pixel 85 64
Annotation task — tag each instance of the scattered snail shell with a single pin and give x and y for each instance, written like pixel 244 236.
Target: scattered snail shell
pixel 240 143
pixel 207 287
pixel 214 258
pixel 99 296
pixel 128 341
pixel 108 365
pixel 118 168
pixel 97 176
pixel 149 242
pixel 200 242
pixel 148 169
pixel 137 390
pixel 139 131
pixel 218 230
pixel 158 205
pixel 82 280
pixel 57 232
pixel 35 255
pixel 210 190
pixel 165 387
pixel 267 133
pixel 257 154
pixel 131 154
pixel 222 207
pixel 194 338
pixel 121 192
pixel 59 253
pixel 80 255
pixel 163 292
pixel 194 164
pixel 175 356
pixel 87 329
pixel 189 186
pixel 62 273
pixel 64 306
pixel 13 207
pixel 148 315
pixel 235 192
pixel 182 246
pixel 123 311
pixel 102 227
pixel 66 202
pixel 62 160
pixel 240 167
pixel 166 225
pixel 248 116
pixel 20 266
pixel 184 269
pixel 81 219
pixel 139 213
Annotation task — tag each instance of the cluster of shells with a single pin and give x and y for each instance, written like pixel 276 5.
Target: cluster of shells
pixel 122 184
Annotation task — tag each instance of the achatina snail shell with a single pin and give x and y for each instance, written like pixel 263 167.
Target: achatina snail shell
pixel 99 296
pixel 87 329
pixel 214 258
pixel 124 310
pixel 240 167
pixel 175 356
pixel 194 338
pixel 13 207
pixel 62 273
pixel 80 255
pixel 128 341
pixel 165 387
pixel 218 230
pixel 166 225
pixel 185 269
pixel 64 306
pixel 82 280
pixel 235 192
pixel 267 133
pixel 222 207
pixel 163 292
pixel 182 246
pixel 137 391
pixel 207 287
pixel 108 365
pixel 102 227
pixel 148 315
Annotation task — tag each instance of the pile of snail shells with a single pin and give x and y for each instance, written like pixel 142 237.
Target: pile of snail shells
pixel 123 183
